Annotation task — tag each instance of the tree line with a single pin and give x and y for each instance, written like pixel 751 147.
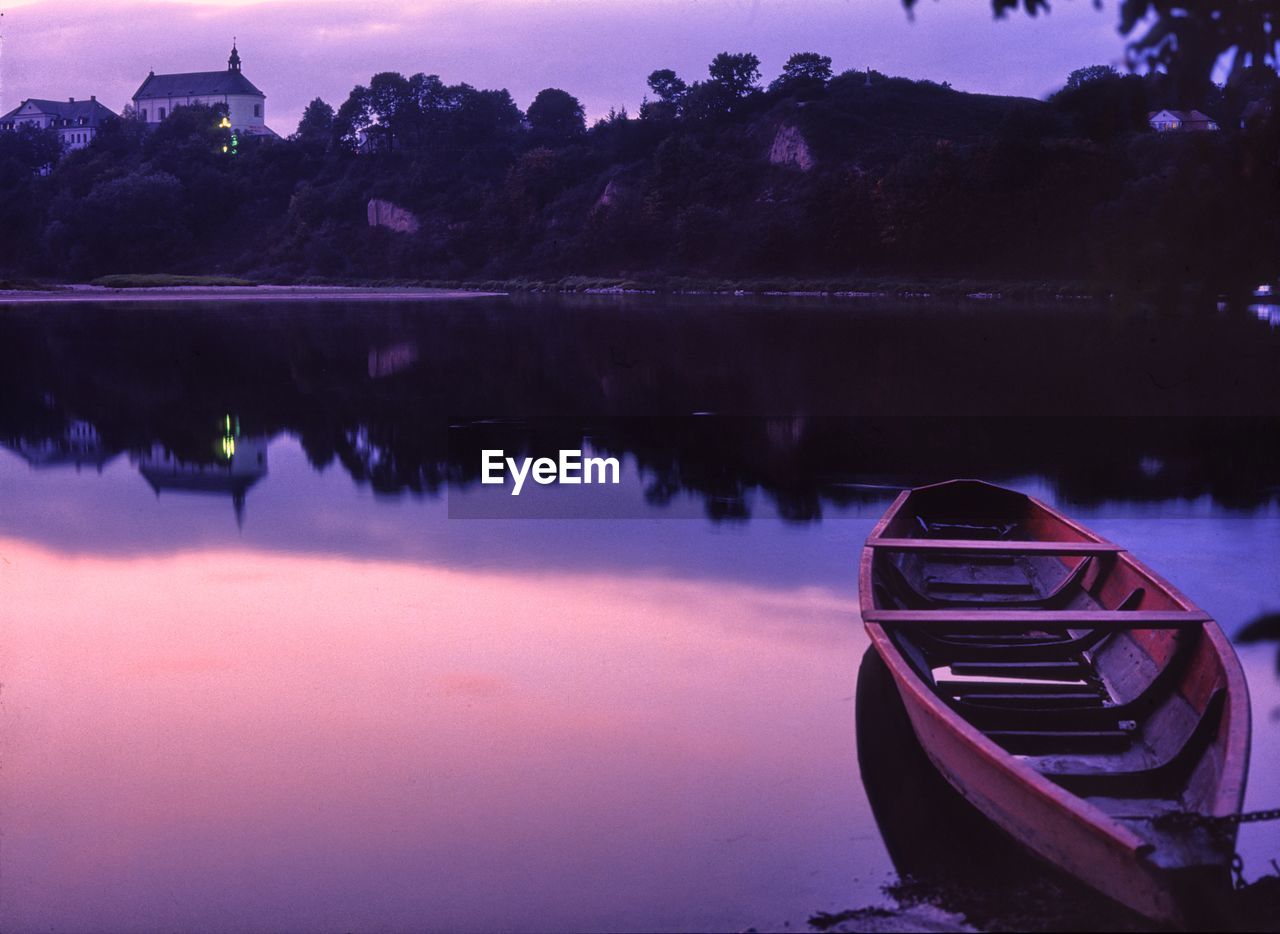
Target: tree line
pixel 812 175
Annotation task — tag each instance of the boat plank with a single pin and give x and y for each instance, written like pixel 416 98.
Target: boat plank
pixel 1024 619
pixel 998 547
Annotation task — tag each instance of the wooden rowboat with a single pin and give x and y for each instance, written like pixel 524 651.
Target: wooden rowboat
pixel 1078 700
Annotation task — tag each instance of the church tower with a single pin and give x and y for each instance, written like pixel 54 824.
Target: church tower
pixel 233 63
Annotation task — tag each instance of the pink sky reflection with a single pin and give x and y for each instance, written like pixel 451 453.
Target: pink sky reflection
pixel 249 741
pixel 599 50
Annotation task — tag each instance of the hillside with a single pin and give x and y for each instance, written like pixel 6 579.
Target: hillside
pixel 855 175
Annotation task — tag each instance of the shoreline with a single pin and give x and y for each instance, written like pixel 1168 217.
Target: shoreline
pixel 61 295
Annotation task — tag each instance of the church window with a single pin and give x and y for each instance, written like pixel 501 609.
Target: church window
pixel 257 110
pixel 161 113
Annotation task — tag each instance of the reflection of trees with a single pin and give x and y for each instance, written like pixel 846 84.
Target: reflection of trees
pixel 1264 628
pixel 631 376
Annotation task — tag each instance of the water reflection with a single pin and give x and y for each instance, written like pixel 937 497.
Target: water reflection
pixel 78 444
pixel 235 463
pixel 241 741
pixel 1267 312
pixel 357 711
pixel 403 397
pixel 1263 628
pixel 804 466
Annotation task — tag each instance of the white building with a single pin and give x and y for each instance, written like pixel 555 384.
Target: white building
pixel 1180 121
pixel 246 106
pixel 77 122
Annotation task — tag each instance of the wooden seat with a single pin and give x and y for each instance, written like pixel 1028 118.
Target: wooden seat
pixel 1061 742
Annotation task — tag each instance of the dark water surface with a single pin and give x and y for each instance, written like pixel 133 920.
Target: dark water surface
pixel 273 658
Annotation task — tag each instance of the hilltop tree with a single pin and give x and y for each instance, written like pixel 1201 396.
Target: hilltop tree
pixel 353 119
pixel 1082 76
pixel 803 72
pixel 395 112
pixel 669 87
pixel 316 125
pixel 1102 103
pixel 484 117
pixel 671 91
pixel 737 73
pixel 556 115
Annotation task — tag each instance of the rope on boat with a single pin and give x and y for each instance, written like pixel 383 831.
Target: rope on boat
pixel 1218 824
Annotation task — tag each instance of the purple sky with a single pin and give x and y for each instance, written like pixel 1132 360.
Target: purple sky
pixel 599 50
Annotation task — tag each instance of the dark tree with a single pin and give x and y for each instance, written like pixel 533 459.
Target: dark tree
pixel 1082 76
pixel 1188 37
pixel 707 100
pixel 804 71
pixel 31 147
pixel 316 125
pixel 487 118
pixel 737 73
pixel 391 105
pixel 668 86
pixel 136 223
pixel 354 119
pixel 1102 103
pixel 671 92
pixel 556 116
pixel 191 135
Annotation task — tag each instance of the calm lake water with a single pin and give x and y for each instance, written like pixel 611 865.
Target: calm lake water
pixel 272 657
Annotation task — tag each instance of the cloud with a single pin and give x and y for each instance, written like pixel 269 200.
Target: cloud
pixel 599 50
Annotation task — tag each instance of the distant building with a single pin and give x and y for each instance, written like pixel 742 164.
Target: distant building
pixel 246 106
pixel 1180 121
pixel 77 122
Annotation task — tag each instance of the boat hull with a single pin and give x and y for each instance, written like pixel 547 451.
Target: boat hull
pixel 1072 841
pixel 1072 832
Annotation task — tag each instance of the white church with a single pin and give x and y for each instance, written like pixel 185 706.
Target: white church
pixel 246 105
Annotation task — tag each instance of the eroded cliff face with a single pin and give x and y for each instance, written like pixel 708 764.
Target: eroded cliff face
pixel 789 148
pixel 392 216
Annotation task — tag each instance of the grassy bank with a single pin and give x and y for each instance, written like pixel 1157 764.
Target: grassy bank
pixel 164 281
pixel 23 285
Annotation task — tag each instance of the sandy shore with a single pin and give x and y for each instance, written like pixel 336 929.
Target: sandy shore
pixel 300 293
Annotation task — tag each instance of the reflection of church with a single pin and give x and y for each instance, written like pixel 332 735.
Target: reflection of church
pixel 79 445
pixel 239 463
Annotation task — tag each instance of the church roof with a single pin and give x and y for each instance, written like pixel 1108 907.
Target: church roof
pixel 196 83
pixel 73 111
